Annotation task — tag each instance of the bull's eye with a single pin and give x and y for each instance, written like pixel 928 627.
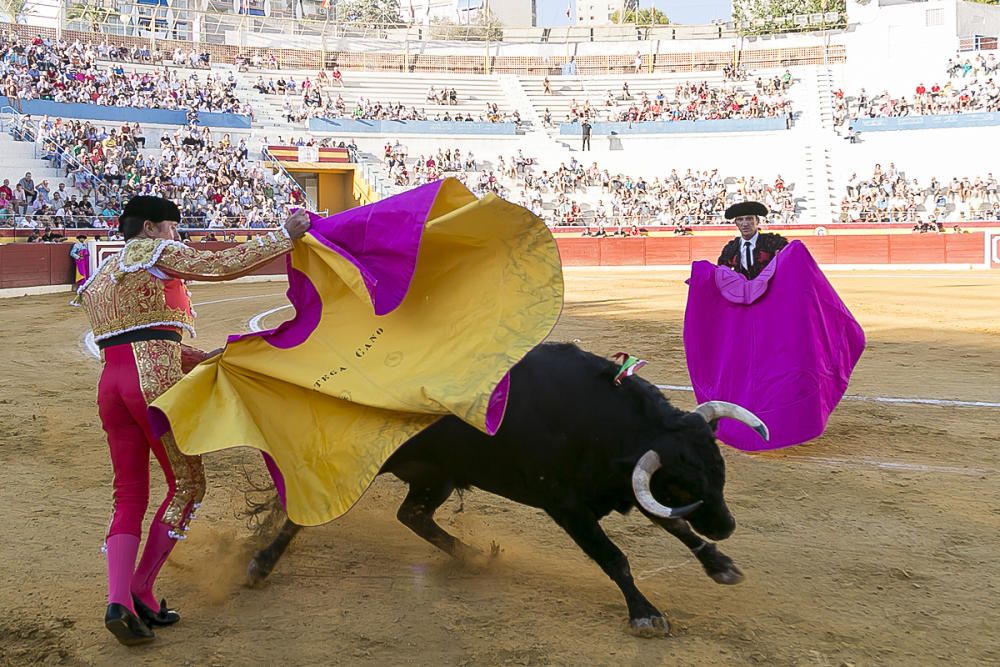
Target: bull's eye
pixel 677 495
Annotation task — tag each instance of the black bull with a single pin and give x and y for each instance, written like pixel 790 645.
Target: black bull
pixel 577 446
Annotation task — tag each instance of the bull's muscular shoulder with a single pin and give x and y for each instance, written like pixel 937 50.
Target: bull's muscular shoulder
pixel 771 242
pixel 588 377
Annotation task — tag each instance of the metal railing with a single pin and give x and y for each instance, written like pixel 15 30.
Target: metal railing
pixel 268 156
pixel 233 38
pixel 17 125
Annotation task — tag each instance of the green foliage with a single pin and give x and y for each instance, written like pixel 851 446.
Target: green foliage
pixel 96 16
pixel 12 9
pixel 380 12
pixel 756 17
pixel 648 16
pixel 485 27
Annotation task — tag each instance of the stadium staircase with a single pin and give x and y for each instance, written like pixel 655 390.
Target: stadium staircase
pixel 18 157
pixel 813 131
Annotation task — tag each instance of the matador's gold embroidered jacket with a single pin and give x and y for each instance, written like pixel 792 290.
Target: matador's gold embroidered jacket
pixel 143 285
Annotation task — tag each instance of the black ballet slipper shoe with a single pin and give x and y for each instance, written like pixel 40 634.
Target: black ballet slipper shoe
pixel 126 626
pixel 161 618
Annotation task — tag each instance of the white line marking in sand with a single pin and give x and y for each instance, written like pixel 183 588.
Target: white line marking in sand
pixel 881 399
pixel 890 465
pixel 254 322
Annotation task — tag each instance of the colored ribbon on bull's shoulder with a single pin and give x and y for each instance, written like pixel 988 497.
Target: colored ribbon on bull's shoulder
pixel 405 310
pixel 629 365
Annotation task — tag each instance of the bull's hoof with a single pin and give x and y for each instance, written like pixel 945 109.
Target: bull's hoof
pixel 649 627
pixel 257 574
pixel 729 576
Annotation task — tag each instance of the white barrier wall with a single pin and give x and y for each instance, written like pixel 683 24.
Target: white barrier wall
pixel 921 153
pixel 895 47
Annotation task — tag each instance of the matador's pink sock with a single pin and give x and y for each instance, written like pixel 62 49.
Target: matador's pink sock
pixel 122 548
pixel 159 544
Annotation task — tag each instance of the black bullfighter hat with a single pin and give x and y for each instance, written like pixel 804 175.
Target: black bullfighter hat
pixel 746 208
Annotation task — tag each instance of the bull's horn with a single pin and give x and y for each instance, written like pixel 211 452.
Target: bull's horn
pixel 712 410
pixel 641 474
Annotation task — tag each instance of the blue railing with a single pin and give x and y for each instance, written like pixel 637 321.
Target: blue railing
pixel 123 114
pixel 680 126
pixel 939 121
pixel 397 127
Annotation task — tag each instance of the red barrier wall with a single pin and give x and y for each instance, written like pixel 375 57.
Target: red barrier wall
pixel 31 264
pixel 28 265
pixel 34 264
pixel 867 249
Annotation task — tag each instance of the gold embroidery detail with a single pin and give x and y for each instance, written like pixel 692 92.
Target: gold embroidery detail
pixel 159 365
pixel 189 263
pixel 141 254
pixel 189 478
pixel 135 300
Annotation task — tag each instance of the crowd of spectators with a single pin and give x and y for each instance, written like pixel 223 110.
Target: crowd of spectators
pixel 889 196
pixel 565 196
pixel 367 109
pixel 63 72
pixel 214 181
pixel 71 54
pixel 311 98
pixel 690 101
pixel 734 73
pixel 970 87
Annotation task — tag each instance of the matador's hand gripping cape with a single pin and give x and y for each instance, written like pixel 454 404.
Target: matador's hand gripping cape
pixel 782 345
pixel 405 310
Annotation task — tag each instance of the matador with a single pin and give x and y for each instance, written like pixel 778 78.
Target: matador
pixel 138 306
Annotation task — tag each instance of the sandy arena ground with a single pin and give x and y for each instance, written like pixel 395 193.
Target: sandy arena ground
pixel 847 562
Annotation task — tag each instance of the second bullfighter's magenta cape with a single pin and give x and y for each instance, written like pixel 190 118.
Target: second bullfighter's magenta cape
pixel 782 345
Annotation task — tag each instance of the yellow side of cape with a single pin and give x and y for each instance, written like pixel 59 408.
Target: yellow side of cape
pixel 487 288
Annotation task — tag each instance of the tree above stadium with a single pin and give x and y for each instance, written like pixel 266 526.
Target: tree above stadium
pixel 648 16
pixel 757 17
pixel 383 12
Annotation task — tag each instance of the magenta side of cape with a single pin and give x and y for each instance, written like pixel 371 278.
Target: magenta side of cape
pixel 382 240
pixel 785 352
